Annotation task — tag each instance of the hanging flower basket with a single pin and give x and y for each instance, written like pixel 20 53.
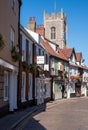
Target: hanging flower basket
pixel 71 77
pixel 39 69
pixel 15 55
pixel 1 42
pixel 32 68
pixel 59 78
pixel 26 66
pixel 47 73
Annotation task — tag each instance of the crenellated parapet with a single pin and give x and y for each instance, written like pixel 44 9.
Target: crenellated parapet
pixel 58 22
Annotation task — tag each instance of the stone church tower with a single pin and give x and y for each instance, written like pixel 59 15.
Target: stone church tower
pixel 56 28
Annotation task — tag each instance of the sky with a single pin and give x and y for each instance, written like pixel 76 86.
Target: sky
pixel 77 19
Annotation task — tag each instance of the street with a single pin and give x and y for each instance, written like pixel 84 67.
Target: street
pixel 69 114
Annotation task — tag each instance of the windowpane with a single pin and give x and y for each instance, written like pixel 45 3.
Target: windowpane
pixel 23 49
pixel 23 90
pixel 6 85
pixel 12 33
pixel 37 51
pixel 14 5
pixel 30 53
pixel 53 33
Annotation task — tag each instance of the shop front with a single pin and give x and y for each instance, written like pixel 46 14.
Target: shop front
pixel 58 89
pixel 43 90
pixel 78 89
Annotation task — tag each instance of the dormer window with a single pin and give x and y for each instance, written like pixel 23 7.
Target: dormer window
pixel 53 33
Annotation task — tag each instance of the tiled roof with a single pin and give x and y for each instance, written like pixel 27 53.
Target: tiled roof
pixel 75 65
pixel 78 57
pixel 61 54
pixel 85 67
pixel 79 66
pixel 67 52
pixel 49 49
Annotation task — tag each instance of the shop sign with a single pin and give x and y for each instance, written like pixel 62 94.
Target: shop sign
pixel 40 59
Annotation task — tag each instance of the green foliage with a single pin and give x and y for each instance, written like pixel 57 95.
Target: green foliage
pixel 15 54
pixel 39 69
pixel 32 67
pixel 26 66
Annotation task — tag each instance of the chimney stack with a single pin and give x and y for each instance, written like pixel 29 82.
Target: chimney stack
pixel 40 30
pixel 32 24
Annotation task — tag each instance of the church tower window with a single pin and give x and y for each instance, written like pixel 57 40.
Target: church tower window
pixel 53 32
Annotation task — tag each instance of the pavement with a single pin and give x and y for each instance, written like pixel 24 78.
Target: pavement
pixel 10 121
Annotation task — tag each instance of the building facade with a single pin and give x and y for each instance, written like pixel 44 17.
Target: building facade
pixel 9 26
pixel 34 87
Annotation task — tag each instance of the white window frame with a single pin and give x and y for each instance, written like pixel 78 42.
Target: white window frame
pixel 14 5
pixel 6 85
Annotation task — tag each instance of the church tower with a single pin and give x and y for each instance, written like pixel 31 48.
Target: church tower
pixel 56 28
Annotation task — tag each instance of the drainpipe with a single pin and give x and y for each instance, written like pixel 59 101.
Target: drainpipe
pixel 19 44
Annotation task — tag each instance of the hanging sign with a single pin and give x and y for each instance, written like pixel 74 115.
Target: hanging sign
pixel 40 59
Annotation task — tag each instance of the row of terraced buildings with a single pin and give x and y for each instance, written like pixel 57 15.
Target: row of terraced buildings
pixel 36 64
